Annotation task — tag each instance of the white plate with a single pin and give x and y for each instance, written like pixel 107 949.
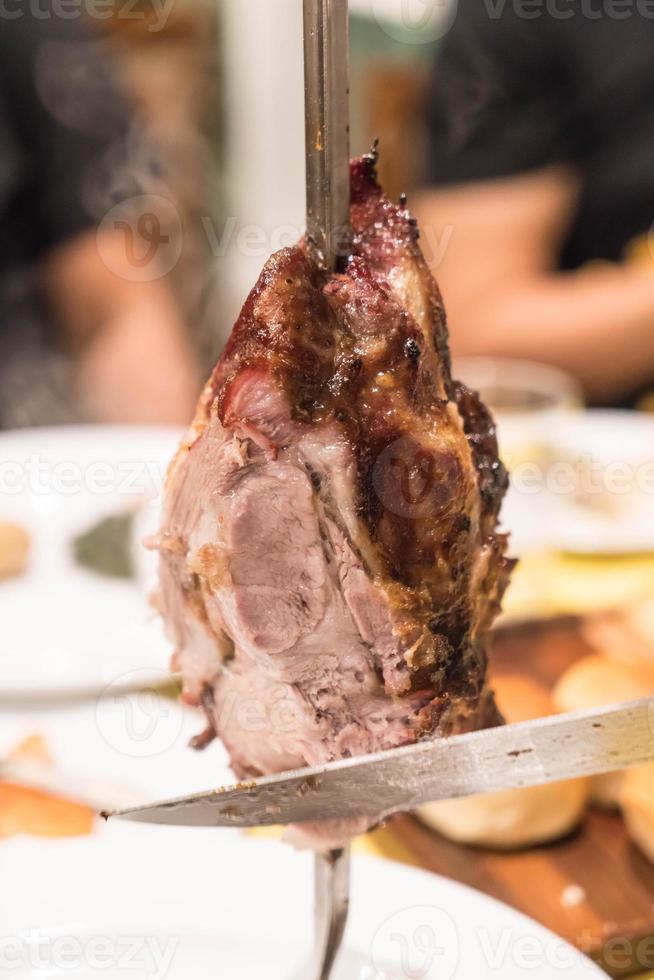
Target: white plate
pixel 171 904
pixel 591 491
pixel 66 630
pixel 120 750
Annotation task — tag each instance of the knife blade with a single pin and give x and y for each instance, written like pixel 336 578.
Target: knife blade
pixel 526 754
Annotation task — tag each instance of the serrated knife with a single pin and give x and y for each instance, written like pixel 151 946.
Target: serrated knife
pixel 530 753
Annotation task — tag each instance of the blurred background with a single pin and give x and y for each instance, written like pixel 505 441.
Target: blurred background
pixel 173 132
pixel 152 160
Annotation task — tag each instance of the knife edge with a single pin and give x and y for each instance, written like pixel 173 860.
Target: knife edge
pixel 558 747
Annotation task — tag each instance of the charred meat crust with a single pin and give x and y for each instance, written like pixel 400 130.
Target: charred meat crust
pixel 346 351
pixel 479 427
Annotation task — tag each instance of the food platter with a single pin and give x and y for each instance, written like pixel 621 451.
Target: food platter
pixel 91 630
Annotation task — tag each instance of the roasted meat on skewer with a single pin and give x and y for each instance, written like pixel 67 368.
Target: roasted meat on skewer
pixel 330 563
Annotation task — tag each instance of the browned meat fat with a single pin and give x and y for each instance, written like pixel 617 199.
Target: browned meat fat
pixel 330 564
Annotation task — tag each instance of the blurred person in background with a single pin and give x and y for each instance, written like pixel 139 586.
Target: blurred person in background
pixel 85 334
pixel 541 172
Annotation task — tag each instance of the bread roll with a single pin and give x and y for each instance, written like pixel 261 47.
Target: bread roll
pixel 637 802
pixel 605 790
pixel 14 548
pixel 521 698
pixel 514 818
pixel 624 636
pixel 595 681
pixel 640 618
pixel 592 683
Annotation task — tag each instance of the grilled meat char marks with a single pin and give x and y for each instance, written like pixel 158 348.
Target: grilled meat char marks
pixel 329 555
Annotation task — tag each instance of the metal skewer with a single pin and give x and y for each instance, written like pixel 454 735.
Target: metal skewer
pixel 327 91
pixel 332 899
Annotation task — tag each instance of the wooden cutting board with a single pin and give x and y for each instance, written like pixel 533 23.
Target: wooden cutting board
pixel 615 923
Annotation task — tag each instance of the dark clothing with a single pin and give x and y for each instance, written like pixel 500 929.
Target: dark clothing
pixel 62 132
pixel 518 87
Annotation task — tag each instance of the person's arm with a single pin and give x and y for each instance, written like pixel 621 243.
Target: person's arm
pixel 70 116
pixel 126 338
pixel 493 246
